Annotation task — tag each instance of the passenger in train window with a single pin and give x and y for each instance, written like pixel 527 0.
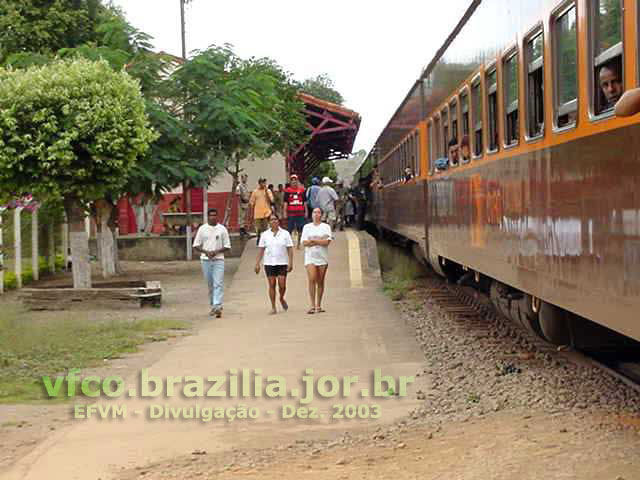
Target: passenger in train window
pixel 408 175
pixel 465 149
pixel 376 180
pixel 453 153
pixel 610 83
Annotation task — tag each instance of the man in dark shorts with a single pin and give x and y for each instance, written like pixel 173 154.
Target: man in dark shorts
pixel 276 248
pixel 294 207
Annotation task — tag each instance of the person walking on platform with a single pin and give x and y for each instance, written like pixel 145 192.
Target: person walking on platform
pixel 260 202
pixel 242 190
pixel 312 196
pixel 212 240
pixel 327 198
pixel 294 207
pixel 275 250
pixel 316 238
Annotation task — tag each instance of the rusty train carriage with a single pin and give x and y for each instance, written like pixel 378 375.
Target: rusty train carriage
pixel 548 207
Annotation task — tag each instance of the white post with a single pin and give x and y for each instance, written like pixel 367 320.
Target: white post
pixel 87 225
pixel 34 245
pixel 17 243
pixel 205 204
pixel 52 249
pixel 189 249
pixel 1 258
pixel 65 243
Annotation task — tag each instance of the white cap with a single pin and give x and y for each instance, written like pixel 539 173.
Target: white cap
pixel 327 180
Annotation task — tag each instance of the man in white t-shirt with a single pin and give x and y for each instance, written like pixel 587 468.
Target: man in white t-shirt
pixel 211 241
pixel 275 249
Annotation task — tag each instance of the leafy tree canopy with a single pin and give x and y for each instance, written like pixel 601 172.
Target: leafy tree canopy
pixel 70 129
pixel 45 27
pixel 322 87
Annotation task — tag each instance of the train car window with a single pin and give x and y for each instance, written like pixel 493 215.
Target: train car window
pixel 534 64
pixel 453 110
pixel 444 118
pixel 607 45
pixel 492 112
pixel 476 98
pixel 510 71
pixel 565 43
pixel 436 134
pixel 464 107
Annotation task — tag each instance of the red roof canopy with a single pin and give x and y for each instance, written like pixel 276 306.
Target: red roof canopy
pixel 333 131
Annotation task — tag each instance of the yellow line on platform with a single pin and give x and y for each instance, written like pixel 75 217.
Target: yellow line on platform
pixel 355 267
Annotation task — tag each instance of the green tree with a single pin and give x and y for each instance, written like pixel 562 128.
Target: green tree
pixel 325 169
pixel 322 87
pixel 71 130
pixel 38 29
pixel 237 109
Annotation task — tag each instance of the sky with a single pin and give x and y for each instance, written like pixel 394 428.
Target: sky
pixel 372 50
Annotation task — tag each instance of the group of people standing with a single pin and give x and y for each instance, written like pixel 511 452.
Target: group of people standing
pixel 309 212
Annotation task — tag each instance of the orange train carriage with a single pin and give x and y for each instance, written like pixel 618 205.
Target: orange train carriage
pixel 544 211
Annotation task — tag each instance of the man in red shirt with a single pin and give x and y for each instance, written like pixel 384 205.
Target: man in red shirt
pixel 294 207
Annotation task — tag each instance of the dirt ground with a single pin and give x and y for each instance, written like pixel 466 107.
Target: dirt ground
pixel 513 443
pixel 23 427
pixel 505 445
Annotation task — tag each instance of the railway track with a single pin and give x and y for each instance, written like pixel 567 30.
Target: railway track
pixel 472 308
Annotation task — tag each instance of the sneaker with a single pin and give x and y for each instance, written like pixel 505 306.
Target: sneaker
pixel 219 312
pixel 212 312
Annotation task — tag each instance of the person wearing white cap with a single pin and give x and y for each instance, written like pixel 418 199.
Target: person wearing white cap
pixel 326 200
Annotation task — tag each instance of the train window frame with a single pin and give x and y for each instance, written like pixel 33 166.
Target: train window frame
pixel 438 133
pixel 444 126
pixel 464 96
pixel 572 106
pixel 478 125
pixel 531 67
pixel 598 60
pixel 488 92
pixel 454 103
pixel 430 145
pixel 417 170
pixel 514 107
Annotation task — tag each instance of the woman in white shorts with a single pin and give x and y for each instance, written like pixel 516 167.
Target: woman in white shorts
pixel 316 237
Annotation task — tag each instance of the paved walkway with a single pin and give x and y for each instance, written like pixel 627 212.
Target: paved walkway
pixel 360 331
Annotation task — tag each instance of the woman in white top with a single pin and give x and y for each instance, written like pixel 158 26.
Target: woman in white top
pixel 316 238
pixel 276 247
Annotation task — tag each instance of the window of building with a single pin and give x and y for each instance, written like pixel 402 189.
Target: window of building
pixel 453 111
pixel 464 108
pixel 492 110
pixel 476 98
pixel 534 64
pixel 607 52
pixel 565 45
pixel 511 99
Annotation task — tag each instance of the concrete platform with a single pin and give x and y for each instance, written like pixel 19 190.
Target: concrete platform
pixel 360 331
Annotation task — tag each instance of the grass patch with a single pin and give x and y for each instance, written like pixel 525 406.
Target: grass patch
pixel 399 271
pixel 31 348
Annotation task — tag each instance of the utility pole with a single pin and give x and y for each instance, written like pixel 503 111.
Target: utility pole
pixel 185 185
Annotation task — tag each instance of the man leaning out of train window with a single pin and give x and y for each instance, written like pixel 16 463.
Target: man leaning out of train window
pixel 408 175
pixel 453 152
pixel 610 85
pixel 465 149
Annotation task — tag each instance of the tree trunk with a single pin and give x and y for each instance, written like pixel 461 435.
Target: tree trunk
pixel 105 238
pixel 112 224
pixel 150 209
pixel 79 241
pixel 235 174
